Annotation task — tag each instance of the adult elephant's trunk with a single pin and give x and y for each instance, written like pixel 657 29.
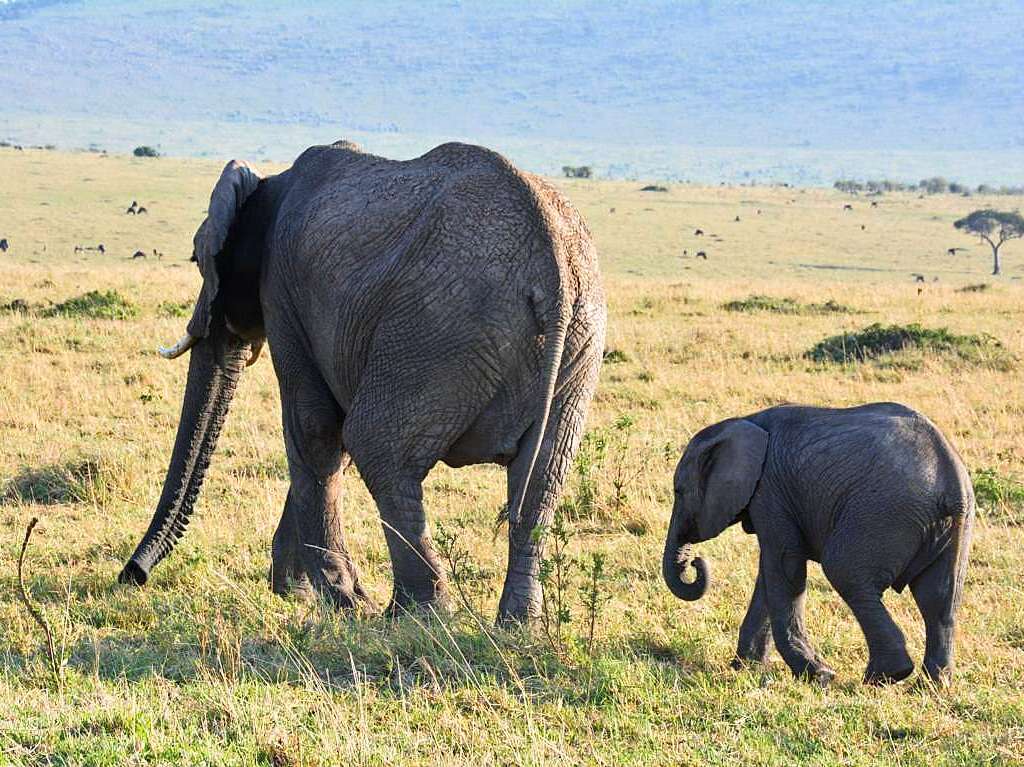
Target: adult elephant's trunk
pixel 214 368
pixel 677 558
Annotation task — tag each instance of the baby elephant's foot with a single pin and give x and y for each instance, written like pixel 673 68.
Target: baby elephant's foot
pixel 888 670
pixel 817 672
pixel 747 659
pixel 940 674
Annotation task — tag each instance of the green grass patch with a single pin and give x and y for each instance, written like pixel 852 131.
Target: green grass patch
pixel 96 305
pixel 878 340
pixel 760 303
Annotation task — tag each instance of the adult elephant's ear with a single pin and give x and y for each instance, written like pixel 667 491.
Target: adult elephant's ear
pixel 237 181
pixel 730 464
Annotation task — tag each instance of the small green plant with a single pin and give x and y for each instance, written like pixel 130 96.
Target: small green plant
pixel 622 474
pixel 998 495
pixel 554 580
pixel 594 597
pixel 877 340
pixel 471 582
pixel 108 305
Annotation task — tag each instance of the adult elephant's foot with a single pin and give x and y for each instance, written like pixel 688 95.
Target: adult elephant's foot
pixel 431 598
pixel 888 669
pixel 336 580
pixel 520 603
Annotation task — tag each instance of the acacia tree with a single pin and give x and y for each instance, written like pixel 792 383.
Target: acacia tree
pixel 994 227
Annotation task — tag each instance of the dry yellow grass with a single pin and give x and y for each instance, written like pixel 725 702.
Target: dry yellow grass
pixel 205 666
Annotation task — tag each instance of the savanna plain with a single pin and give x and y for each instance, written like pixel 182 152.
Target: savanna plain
pixel 204 665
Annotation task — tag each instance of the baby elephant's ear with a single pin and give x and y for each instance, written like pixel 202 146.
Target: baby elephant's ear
pixel 731 464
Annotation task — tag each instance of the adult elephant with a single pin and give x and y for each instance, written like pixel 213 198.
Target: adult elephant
pixel 446 308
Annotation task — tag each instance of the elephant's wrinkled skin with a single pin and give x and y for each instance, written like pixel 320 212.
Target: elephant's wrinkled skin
pixel 446 308
pixel 874 493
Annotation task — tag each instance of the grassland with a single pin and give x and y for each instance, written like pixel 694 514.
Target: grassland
pixel 205 666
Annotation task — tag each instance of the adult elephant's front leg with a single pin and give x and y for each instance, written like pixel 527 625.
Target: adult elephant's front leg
pixel 309 551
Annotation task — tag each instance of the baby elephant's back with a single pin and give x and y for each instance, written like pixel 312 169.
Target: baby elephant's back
pixel 881 458
pixel 908 460
pixel 913 450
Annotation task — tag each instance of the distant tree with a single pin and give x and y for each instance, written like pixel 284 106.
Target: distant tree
pixel 934 185
pixel 572 171
pixel 145 151
pixel 994 227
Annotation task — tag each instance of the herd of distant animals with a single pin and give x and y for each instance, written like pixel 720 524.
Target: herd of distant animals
pixel 137 210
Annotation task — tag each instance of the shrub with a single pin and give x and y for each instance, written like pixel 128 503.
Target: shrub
pixel 110 305
pixel 654 188
pixel 145 151
pixel 174 309
pixel 877 340
pixel 761 303
pixel 998 495
pixel 614 356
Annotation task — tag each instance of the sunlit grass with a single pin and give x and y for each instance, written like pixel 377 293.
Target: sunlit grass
pixel 204 665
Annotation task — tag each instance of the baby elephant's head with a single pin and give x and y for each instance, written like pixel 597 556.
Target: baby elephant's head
pixel 714 483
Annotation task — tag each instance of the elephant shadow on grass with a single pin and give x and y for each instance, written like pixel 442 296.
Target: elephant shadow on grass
pixel 196 629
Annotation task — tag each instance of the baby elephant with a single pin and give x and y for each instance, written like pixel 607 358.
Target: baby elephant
pixel 874 493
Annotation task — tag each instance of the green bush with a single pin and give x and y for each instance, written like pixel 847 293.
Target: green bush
pixel 998 495
pixel 145 151
pixel 877 340
pixel 95 305
pixel 760 303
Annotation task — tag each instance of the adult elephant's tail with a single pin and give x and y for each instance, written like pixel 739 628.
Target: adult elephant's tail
pixel 555 326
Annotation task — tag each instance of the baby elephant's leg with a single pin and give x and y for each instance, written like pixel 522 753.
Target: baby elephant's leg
pixel 888 659
pixel 934 591
pixel 785 582
pixel 755 630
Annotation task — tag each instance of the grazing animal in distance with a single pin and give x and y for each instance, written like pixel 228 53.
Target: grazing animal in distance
pixel 847 207
pixel 141 210
pixel 918 277
pixel 875 493
pixel 737 219
pixel 132 209
pixel 759 211
pixel 701 254
pixel 863 227
pixel 138 254
pixel 698 233
pixel 874 204
pixel 611 210
pixel 954 251
pixel 4 245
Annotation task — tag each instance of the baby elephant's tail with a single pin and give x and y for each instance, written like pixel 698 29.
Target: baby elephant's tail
pixel 963 525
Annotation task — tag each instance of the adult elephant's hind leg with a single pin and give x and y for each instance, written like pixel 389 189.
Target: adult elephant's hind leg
pixel 309 553
pixel 521 596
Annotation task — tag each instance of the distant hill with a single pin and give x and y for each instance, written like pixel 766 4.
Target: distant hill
pixel 792 91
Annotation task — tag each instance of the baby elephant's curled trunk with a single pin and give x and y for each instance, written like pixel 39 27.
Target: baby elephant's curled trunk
pixel 674 565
